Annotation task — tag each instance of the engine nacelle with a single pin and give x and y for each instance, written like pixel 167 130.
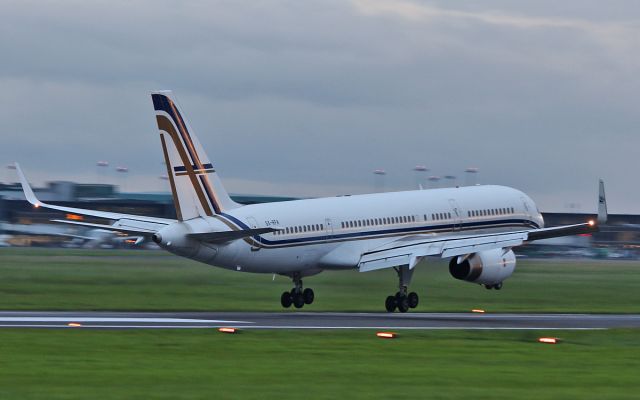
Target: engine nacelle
pixel 488 267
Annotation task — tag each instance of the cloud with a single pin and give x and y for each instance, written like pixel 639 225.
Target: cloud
pixel 310 97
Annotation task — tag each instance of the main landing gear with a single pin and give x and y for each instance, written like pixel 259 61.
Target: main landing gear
pixel 402 300
pixel 297 296
pixel 497 286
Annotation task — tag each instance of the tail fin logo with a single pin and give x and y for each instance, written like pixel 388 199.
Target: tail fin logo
pixel 194 165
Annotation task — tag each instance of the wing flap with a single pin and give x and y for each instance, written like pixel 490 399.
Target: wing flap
pixel 389 262
pixel 454 248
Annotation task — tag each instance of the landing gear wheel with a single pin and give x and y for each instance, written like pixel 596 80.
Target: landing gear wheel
pixel 298 300
pixel 403 304
pixel 308 296
pixel 390 303
pixel 286 300
pixel 488 287
pixel 497 286
pixel 413 299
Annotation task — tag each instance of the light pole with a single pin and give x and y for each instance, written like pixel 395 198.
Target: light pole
pixel 451 179
pixel 419 172
pixel 378 180
pixel 101 171
pixel 123 171
pixel 471 175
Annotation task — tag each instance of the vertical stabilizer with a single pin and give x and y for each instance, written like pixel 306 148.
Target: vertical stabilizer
pixel 196 188
pixel 602 205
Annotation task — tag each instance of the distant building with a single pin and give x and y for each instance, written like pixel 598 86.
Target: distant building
pixel 622 230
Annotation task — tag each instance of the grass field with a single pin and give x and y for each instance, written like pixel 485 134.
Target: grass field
pixel 204 364
pixel 54 279
pixel 317 364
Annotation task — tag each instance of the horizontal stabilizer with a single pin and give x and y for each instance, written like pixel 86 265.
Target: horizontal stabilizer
pixel 115 227
pixel 226 236
pixel 157 223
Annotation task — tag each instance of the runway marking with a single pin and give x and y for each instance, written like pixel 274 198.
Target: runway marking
pixel 72 318
pixel 315 321
pixel 111 326
pixel 482 328
pixel 426 328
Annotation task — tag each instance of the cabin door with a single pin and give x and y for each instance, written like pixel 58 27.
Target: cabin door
pixel 328 227
pixel 456 214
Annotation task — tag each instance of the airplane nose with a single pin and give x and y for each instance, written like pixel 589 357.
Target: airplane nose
pixel 157 238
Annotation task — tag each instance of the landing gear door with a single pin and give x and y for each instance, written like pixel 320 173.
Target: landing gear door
pixel 456 214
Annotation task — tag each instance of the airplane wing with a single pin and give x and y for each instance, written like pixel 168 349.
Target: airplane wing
pixel 410 250
pixel 128 223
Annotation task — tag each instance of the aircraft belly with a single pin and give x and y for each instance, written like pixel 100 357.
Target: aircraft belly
pixel 265 260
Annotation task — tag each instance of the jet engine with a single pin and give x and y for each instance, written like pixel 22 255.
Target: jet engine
pixel 489 267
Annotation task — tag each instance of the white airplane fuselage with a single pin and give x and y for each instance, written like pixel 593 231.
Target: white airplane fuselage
pixel 332 233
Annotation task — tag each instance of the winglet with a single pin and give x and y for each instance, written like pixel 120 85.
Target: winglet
pixel 602 205
pixel 28 192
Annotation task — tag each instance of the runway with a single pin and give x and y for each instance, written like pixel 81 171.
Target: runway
pixel 311 320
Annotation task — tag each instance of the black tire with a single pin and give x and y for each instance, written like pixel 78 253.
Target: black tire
pixel 298 300
pixel 403 304
pixel 308 296
pixel 488 287
pixel 413 300
pixel 390 303
pixel 497 286
pixel 286 300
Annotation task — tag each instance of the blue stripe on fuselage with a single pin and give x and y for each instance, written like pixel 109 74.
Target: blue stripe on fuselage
pixel 375 233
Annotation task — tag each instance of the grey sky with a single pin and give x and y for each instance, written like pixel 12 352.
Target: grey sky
pixel 308 97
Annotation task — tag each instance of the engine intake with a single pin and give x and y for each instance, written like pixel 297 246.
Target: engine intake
pixel 488 267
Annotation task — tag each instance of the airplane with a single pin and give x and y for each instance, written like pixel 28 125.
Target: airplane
pixel 102 238
pixel 476 227
pixel 91 238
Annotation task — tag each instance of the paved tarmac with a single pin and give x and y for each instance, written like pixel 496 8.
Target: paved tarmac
pixel 312 320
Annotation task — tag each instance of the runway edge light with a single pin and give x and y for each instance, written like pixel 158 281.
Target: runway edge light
pixel 477 310
pixel 386 335
pixel 228 330
pixel 74 324
pixel 549 340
